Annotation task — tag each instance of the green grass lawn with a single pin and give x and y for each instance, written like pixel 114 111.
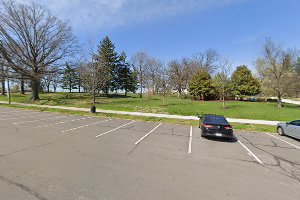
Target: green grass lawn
pixel 171 105
pixel 236 126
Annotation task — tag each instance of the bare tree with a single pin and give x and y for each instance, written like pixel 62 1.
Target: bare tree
pixel 222 78
pixel 33 40
pixel 141 63
pixel 47 80
pixel 276 68
pixel 153 75
pixel 94 77
pixel 296 85
pixel 178 76
pixel 93 72
pixel 207 61
pixel 81 70
pixel 163 81
pixel 52 79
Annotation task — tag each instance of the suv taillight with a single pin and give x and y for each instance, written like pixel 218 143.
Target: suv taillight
pixel 227 127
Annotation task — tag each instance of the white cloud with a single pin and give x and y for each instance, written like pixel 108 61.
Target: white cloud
pixel 87 14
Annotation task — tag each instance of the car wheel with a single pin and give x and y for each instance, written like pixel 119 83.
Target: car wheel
pixel 280 131
pixel 202 135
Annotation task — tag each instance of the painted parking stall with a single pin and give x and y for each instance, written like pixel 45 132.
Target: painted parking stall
pixel 66 156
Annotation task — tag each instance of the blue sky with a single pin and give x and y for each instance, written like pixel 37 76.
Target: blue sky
pixel 171 29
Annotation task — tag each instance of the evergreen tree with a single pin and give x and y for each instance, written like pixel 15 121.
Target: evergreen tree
pixel 201 85
pixel 126 78
pixel 70 79
pixel 109 58
pixel 244 83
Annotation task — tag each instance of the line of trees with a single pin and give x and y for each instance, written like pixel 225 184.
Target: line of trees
pixel 222 86
pixel 106 72
pixel 38 50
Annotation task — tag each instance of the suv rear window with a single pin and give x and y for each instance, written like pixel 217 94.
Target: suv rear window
pixel 212 119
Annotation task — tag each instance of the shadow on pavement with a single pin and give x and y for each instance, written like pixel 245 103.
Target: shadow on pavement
pixel 233 140
pixel 295 139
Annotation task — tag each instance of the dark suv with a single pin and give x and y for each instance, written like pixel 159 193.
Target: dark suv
pixel 215 126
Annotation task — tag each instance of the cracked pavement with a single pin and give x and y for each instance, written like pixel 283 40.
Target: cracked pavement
pixel 45 164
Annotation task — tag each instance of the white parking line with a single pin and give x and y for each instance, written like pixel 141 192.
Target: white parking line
pixel 190 142
pixel 38 120
pixel 63 122
pixel 79 127
pixel 15 111
pixel 147 134
pixel 18 113
pixel 283 141
pixel 114 129
pixel 14 114
pixel 25 117
pixel 250 152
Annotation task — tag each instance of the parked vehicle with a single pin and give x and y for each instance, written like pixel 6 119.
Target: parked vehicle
pixel 289 128
pixel 215 126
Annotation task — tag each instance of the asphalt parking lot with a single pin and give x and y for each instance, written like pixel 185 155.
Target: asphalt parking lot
pixel 50 156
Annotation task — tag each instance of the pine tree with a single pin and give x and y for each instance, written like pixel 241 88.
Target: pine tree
pixel 109 57
pixel 126 78
pixel 69 79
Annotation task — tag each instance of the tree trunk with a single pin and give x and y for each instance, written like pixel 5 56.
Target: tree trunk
pixel 79 85
pixel 141 81
pixel 223 98
pixel 22 87
pixel 3 87
pixel 141 92
pixel 35 84
pixel 70 85
pixel 179 93
pixel 279 100
pixel 2 80
pixel 8 86
pixel 106 90
pixel 125 93
pixel 94 96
